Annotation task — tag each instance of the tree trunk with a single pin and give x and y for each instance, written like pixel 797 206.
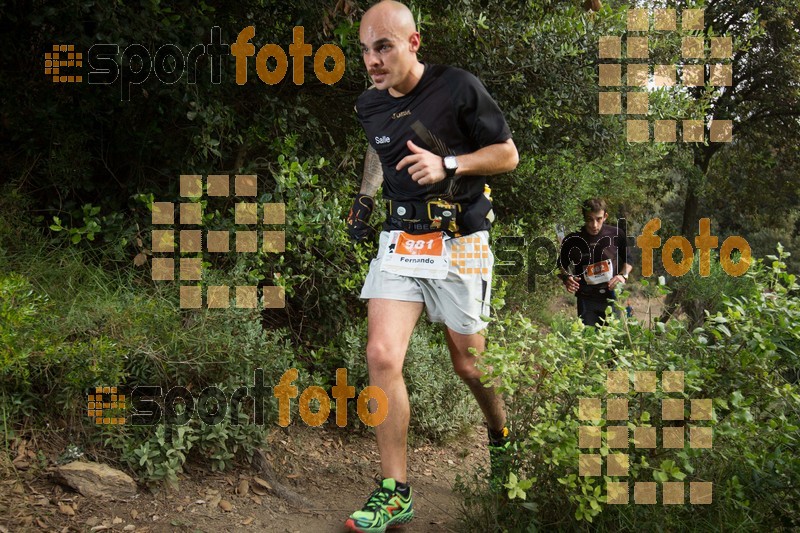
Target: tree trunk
pixel 689 223
pixel 702 160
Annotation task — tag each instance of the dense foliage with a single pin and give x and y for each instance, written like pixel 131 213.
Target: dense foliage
pixel 744 358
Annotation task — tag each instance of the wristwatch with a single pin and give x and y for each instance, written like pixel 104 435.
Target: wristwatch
pixel 450 165
pixel 625 276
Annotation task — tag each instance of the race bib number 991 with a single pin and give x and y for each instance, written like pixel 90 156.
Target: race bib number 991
pixel 416 256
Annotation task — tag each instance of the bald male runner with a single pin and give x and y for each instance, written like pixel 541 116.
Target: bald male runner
pixel 434 135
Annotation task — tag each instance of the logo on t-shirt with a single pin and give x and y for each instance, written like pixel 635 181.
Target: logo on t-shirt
pixel 400 114
pixel 382 140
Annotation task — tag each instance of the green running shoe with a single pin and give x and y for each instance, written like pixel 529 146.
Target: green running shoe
pixel 385 508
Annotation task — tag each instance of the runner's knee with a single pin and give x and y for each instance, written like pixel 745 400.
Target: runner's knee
pixel 383 358
pixel 466 369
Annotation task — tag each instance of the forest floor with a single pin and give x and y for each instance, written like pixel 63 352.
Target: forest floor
pixel 332 468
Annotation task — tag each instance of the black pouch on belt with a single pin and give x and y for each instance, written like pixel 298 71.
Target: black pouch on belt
pixel 474 215
pixel 443 215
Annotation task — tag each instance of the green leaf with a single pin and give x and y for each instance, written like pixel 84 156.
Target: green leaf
pixel 512 481
pixel 516 492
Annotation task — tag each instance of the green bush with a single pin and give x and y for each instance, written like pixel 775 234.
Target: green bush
pixel 739 359
pixel 158 453
pixel 698 294
pixel 69 326
pixel 39 364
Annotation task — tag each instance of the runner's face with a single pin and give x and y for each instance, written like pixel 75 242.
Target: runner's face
pixel 594 221
pixel 388 57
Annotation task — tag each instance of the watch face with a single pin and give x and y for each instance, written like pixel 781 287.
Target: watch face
pixel 450 162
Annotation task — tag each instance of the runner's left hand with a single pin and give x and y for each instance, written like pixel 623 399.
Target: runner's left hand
pixel 424 167
pixel 616 280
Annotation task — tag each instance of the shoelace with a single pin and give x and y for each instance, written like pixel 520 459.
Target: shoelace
pixel 378 497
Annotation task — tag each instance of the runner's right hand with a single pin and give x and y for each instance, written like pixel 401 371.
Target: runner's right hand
pixel 358 219
pixel 571 284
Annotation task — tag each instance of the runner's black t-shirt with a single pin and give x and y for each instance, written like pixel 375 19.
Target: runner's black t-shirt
pixel 449 112
pixel 580 249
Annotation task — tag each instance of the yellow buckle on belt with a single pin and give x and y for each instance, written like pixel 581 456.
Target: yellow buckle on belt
pixel 436 221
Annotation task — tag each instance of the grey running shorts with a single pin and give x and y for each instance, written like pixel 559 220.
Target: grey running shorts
pixel 459 300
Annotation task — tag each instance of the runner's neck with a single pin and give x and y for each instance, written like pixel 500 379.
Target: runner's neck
pixel 415 76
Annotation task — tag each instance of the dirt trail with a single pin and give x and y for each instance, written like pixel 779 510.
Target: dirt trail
pixel 644 310
pixel 332 468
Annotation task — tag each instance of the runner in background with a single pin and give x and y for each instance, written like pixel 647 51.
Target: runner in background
pixel 593 262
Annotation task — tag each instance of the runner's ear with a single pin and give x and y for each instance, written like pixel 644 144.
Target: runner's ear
pixel 414 42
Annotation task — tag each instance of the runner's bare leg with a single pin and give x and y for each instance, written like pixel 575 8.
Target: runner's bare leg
pixel 390 324
pixel 464 365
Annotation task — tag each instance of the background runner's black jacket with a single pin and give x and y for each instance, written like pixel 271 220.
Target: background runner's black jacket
pixel 579 249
